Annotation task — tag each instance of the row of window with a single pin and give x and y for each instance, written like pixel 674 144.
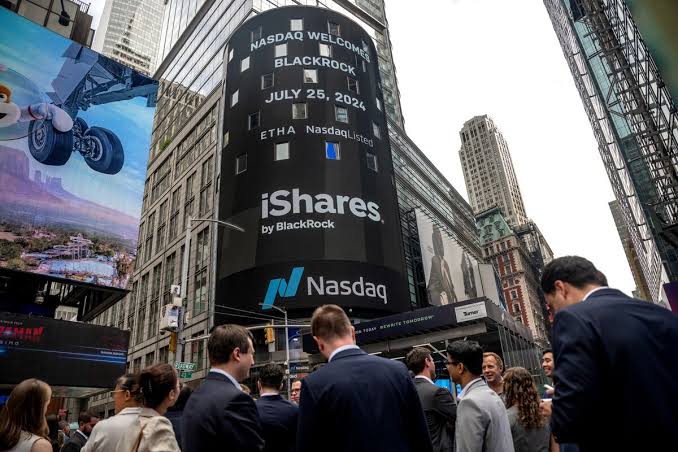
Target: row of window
pixel 280 50
pixel 300 111
pixel 333 28
pixel 281 151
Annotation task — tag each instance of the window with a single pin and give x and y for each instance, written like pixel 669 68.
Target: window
pixel 310 76
pixel 282 151
pixel 230 55
pixel 198 351
pixel 267 81
pixel 241 163
pixel 256 34
pixel 280 50
pixel 226 138
pixel 333 28
pixel 379 105
pixel 150 357
pixel 353 85
pixel 200 293
pixel 299 110
pixel 332 151
pixel 245 64
pixel 296 24
pixel 253 120
pixel 376 130
pixel 234 98
pixel 163 354
pixel 341 114
pixel 325 50
pixel 372 162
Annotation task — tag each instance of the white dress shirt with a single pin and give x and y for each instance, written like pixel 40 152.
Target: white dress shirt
pixel 229 376
pixel 341 349
pixel 424 377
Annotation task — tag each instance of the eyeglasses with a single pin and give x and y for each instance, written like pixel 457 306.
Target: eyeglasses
pixel 110 394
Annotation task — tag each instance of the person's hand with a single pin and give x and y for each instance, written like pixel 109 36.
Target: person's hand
pixel 550 392
pixel 545 408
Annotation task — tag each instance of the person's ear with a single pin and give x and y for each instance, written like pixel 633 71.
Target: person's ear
pixel 353 333
pixel 236 354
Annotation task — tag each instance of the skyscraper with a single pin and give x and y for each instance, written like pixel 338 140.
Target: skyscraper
pixel 129 32
pixel 488 170
pixel 635 122
pixel 630 251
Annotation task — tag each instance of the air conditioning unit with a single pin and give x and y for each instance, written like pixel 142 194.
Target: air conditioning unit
pixel 169 317
pixel 69 313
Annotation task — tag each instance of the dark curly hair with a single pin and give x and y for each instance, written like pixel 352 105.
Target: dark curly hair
pixel 521 391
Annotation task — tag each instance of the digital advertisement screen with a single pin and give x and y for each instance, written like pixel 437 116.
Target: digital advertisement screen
pixel 75 131
pixel 307 169
pixel 452 273
pixel 60 352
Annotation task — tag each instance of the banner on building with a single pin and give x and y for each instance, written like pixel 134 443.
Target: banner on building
pixel 75 132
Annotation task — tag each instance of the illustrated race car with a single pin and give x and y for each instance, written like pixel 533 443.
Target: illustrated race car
pixel 50 121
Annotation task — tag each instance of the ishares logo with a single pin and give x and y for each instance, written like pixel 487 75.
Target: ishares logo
pixel 284 202
pixel 283 288
pixel 322 286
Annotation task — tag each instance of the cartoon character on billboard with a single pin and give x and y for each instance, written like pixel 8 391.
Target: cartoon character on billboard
pixel 440 286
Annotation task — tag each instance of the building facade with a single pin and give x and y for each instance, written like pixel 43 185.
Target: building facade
pixel 518 255
pixel 69 18
pixel 641 291
pixel 488 170
pixel 635 123
pixel 129 32
pixel 184 175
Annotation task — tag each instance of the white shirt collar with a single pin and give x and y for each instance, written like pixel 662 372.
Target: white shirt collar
pixel 80 431
pixel 229 376
pixel 341 349
pixel 467 387
pixel 424 377
pixel 268 394
pixel 594 290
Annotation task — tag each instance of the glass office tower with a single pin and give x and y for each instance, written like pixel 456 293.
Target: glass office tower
pixel 635 123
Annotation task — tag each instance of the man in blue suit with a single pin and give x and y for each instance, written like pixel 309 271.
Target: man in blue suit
pixel 278 416
pixel 218 415
pixel 616 363
pixel 357 402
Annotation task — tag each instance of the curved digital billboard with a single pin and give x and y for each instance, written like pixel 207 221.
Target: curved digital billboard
pixel 306 169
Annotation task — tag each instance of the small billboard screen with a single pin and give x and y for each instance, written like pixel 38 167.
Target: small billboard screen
pixel 60 352
pixel 75 132
pixel 451 272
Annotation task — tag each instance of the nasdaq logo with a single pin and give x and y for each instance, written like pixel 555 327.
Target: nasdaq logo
pixel 285 289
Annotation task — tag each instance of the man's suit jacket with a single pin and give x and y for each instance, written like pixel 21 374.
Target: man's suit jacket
pixel 76 443
pixel 440 281
pixel 279 422
pixel 361 403
pixel 482 421
pixel 440 410
pixel 615 373
pixel 218 416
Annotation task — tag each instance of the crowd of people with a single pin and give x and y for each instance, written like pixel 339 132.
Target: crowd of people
pixel 613 368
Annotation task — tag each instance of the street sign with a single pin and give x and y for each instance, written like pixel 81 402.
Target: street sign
pixel 185 374
pixel 187 367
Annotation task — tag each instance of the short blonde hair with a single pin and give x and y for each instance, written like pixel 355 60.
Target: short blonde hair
pixel 330 322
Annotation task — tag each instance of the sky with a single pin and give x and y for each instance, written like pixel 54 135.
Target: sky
pixel 456 59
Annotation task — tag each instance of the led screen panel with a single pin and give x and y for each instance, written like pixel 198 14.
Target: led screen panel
pixel 75 132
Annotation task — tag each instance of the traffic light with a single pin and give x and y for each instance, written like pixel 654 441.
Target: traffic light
pixel 269 334
pixel 173 342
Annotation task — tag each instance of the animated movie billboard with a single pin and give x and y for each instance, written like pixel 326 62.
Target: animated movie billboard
pixel 75 132
pixel 452 274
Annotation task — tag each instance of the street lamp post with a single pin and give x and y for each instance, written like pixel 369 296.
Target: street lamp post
pixel 184 276
pixel 287 347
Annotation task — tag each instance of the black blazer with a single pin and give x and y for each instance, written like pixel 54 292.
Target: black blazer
pixel 440 410
pixel 440 281
pixel 361 403
pixel 615 374
pixel 279 422
pixel 218 417
pixel 175 418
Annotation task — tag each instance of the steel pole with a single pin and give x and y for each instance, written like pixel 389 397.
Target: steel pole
pixel 287 353
pixel 184 292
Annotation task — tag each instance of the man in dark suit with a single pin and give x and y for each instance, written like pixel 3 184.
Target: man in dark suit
pixel 440 285
pixel 357 402
pixel 278 416
pixel 616 362
pixel 218 415
pixel 86 422
pixel 439 407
